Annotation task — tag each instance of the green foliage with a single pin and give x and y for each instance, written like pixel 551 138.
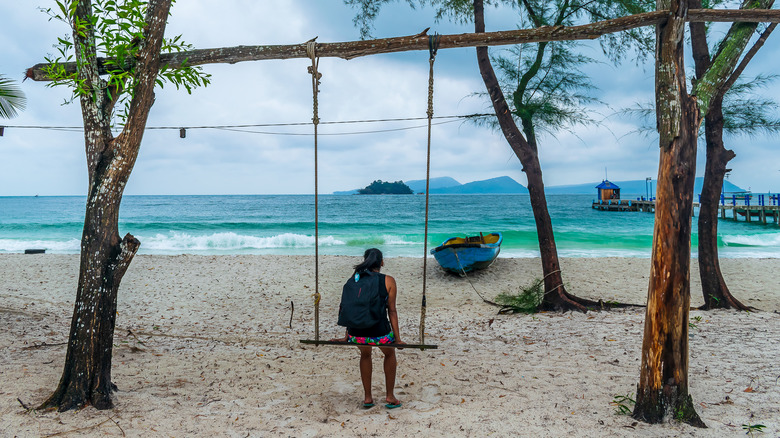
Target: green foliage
pixel 527 300
pixel 114 32
pixel 549 91
pixel 367 12
pixel 614 45
pixel 11 98
pixel 624 404
pixel 380 187
pixel 752 428
pixel 748 110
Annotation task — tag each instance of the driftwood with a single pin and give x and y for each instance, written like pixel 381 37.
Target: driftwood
pixel 43 344
pixel 355 49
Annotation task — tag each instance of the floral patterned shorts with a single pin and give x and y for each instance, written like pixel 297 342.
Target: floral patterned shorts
pixel 386 339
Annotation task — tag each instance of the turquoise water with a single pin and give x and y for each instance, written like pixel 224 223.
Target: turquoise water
pixel 284 224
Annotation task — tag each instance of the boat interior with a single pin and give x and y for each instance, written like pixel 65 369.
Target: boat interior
pixel 481 239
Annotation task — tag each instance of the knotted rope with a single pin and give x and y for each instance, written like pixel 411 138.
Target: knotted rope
pixel 311 51
pixel 433 46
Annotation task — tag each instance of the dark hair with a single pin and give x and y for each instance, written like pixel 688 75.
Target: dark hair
pixel 372 259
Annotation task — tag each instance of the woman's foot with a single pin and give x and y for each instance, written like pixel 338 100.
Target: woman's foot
pixel 368 403
pixel 392 403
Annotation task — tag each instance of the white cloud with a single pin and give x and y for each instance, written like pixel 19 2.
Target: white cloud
pixel 384 86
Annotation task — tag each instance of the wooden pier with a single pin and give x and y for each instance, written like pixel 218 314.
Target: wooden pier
pixel 625 205
pixel 629 205
pixel 740 206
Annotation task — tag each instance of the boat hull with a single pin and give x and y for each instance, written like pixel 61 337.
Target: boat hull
pixel 459 255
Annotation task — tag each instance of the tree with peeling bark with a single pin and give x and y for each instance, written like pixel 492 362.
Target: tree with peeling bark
pixel 738 109
pixel 663 382
pixel 131 33
pixel 714 289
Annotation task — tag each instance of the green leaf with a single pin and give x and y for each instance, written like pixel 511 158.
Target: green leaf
pixel 112 32
pixel 12 98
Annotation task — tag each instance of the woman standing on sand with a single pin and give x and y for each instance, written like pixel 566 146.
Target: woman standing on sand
pixel 384 332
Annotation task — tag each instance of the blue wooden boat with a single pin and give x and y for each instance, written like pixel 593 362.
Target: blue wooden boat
pixel 464 254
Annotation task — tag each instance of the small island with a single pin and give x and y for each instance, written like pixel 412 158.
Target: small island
pixel 380 187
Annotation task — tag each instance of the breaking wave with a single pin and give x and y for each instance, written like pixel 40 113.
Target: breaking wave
pixel 752 240
pixel 229 241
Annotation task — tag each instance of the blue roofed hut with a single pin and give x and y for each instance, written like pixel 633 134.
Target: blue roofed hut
pixel 608 190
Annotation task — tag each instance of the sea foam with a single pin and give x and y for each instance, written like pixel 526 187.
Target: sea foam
pixel 752 240
pixel 229 241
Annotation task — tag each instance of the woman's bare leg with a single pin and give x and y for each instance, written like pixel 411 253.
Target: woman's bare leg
pixel 365 373
pixel 390 364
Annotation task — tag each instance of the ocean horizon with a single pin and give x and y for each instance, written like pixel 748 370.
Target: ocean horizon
pixel 284 225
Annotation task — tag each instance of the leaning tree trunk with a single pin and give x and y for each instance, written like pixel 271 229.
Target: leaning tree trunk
pixel 555 297
pixel 86 378
pixel 663 381
pixel 716 292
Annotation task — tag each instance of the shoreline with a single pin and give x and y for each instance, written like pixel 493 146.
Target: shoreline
pixel 203 346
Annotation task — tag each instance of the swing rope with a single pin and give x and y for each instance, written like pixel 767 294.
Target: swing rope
pixel 311 51
pixel 433 46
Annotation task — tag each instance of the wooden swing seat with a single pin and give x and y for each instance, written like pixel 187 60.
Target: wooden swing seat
pixel 352 344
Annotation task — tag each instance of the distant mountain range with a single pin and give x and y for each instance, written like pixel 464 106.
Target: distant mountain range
pixel 447 185
pixel 636 187
pixel 507 185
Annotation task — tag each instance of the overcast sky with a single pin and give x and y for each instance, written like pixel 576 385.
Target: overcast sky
pixel 51 162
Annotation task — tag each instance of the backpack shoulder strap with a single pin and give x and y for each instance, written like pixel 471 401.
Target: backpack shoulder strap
pixel 383 286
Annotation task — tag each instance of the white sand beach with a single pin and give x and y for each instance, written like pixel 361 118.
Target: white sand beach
pixel 203 347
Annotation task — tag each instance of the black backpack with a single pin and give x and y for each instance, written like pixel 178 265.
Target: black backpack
pixel 362 306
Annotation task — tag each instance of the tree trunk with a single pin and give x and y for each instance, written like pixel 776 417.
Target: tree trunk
pixel 86 378
pixel 555 297
pixel 716 292
pixel 663 381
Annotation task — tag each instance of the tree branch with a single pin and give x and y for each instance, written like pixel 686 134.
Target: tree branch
pixel 746 60
pixel 733 15
pixel 531 13
pixel 128 248
pixel 727 56
pixel 584 7
pixel 146 71
pixel 699 47
pixel 354 49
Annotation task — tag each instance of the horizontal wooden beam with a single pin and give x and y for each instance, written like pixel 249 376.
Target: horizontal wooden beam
pixel 733 15
pixel 354 49
pixel 351 344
